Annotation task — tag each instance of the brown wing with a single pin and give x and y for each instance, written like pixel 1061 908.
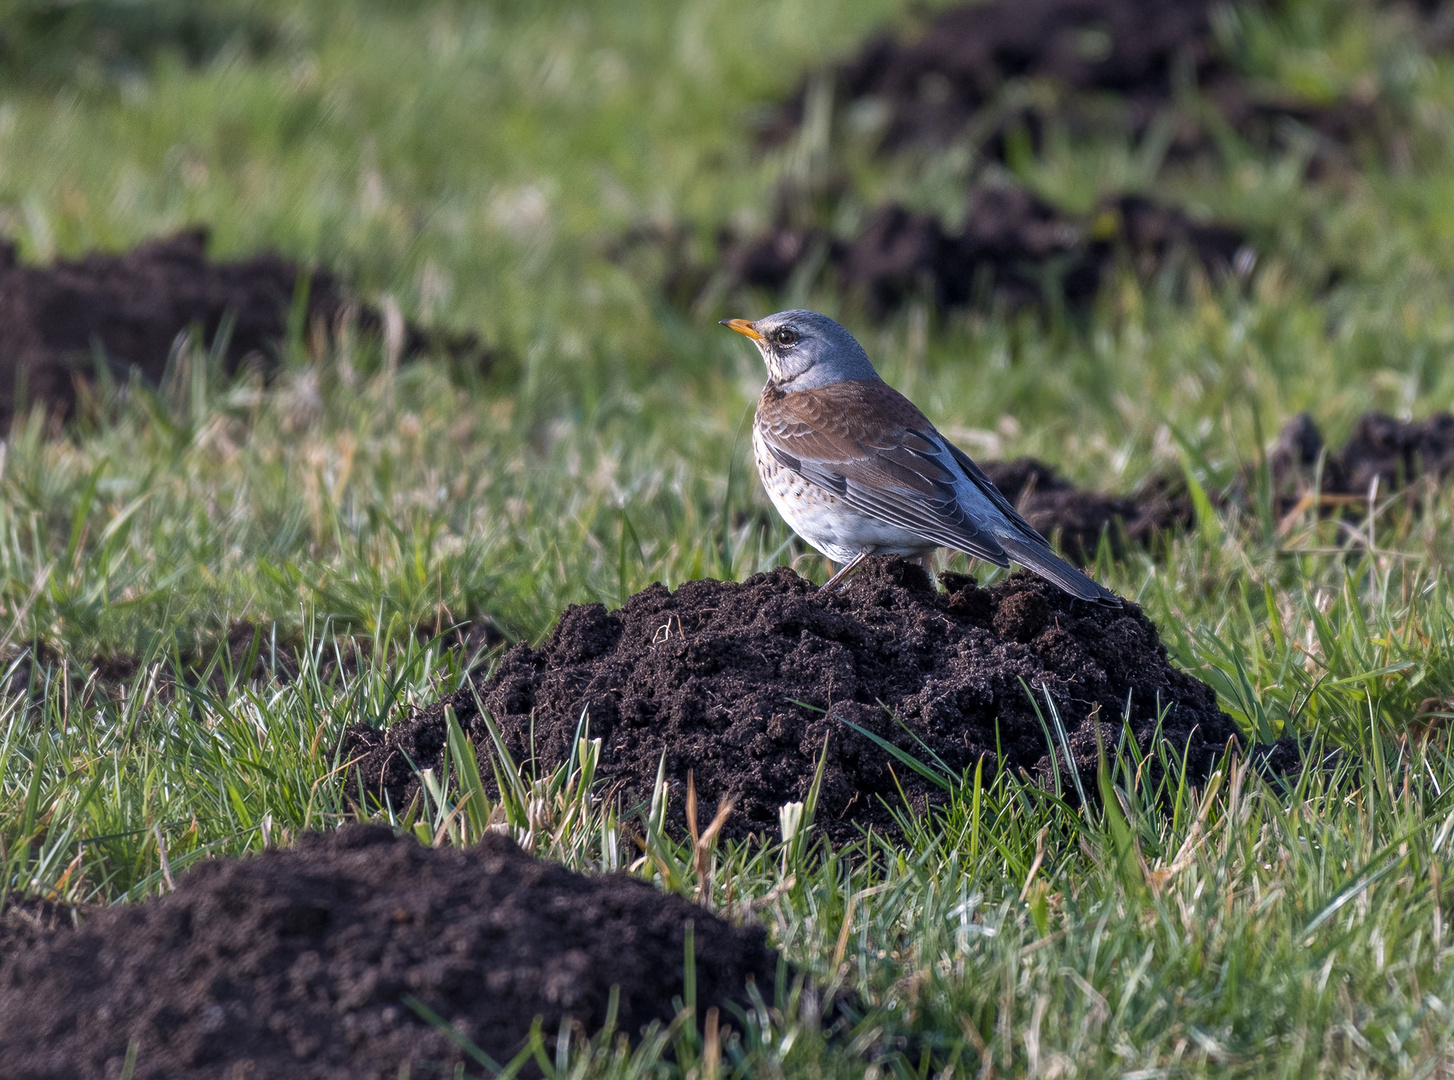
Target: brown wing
pixel 869 445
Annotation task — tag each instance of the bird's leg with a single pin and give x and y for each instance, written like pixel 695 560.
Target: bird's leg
pixel 847 568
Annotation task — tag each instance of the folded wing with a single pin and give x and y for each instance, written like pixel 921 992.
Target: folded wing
pixel 870 446
pixel 889 472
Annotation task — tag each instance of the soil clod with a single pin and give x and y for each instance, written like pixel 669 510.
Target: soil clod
pixel 742 684
pixel 298 963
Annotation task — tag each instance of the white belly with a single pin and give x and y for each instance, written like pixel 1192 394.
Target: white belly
pixel 825 521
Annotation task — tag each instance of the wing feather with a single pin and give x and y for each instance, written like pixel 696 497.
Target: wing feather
pixel 987 486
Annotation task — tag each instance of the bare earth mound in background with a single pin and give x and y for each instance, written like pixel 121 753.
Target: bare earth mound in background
pixel 295 963
pixel 1098 63
pixel 130 308
pixel 1384 455
pixel 1007 78
pixel 726 680
pixel 1382 450
pixel 1013 249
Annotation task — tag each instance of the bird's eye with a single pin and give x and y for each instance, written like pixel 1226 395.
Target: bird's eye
pixel 785 336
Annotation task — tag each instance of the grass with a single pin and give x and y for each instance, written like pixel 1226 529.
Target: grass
pixel 473 161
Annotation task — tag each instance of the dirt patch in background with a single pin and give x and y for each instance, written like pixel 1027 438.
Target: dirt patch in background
pixel 1394 453
pixel 1012 250
pixel 1078 518
pixel 931 86
pixel 726 680
pixel 1016 249
pixel 298 961
pixel 59 324
pixel 1098 63
pixel 1399 455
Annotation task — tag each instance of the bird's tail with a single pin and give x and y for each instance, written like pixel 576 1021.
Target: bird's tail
pixel 1052 567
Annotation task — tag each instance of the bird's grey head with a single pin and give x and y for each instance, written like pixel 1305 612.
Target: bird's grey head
pixel 804 350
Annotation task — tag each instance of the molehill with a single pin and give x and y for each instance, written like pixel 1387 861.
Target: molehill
pixel 1383 454
pixel 1009 248
pixel 742 684
pixel 1118 64
pixel 62 325
pixel 296 963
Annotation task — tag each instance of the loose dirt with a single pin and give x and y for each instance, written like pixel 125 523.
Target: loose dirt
pixel 1397 455
pixel 741 685
pixel 59 325
pixel 1013 249
pixel 296 963
pixel 1120 64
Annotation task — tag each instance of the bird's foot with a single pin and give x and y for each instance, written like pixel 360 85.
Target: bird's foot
pixel 845 571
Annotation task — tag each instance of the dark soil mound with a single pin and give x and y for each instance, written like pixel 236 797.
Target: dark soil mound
pixel 1018 249
pixel 727 679
pixel 1079 518
pixel 933 85
pixel 130 308
pixel 1098 62
pixel 296 963
pixel 1398 454
pixel 1013 249
pixel 1395 452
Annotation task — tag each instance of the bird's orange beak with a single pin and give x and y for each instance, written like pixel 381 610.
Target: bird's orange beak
pixel 743 327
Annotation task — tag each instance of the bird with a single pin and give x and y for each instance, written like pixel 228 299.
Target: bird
pixel 855 468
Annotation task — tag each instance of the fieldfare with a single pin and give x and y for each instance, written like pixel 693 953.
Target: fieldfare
pixel 856 470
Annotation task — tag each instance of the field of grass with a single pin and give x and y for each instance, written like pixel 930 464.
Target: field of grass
pixel 474 161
